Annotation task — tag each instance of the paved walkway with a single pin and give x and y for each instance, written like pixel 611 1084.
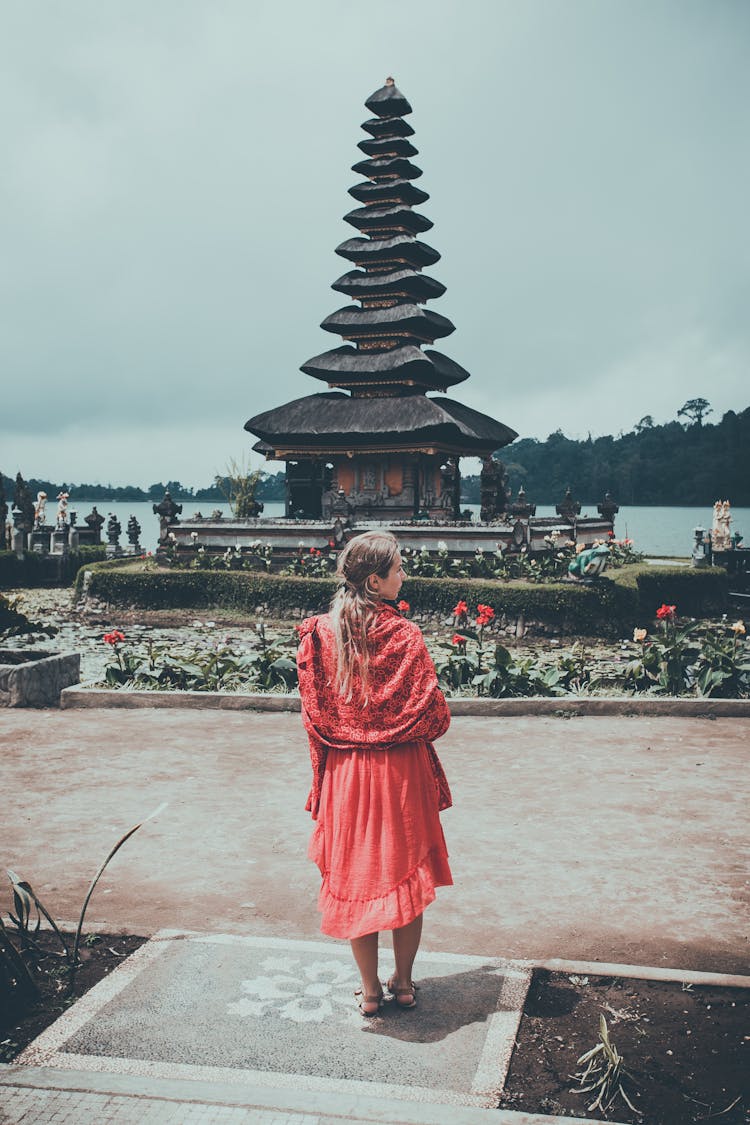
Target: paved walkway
pixel 597 839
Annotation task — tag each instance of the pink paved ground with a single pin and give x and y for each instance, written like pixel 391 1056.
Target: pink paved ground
pixel 597 839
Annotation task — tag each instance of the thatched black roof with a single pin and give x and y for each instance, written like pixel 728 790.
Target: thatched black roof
pixel 396 219
pixel 388 146
pixel 398 283
pixel 390 191
pixel 388 101
pixel 389 166
pixel 389 371
pixel 401 320
pixel 334 421
pixel 404 365
pixel 388 127
pixel 401 250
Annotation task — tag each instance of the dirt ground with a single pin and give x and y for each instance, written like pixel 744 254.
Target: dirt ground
pixel 685 1049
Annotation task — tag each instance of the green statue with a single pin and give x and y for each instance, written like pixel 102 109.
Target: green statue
pixel 589 563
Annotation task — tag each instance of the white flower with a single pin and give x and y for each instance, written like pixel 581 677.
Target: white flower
pixel 442 545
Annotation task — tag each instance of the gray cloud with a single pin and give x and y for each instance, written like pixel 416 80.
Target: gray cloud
pixel 177 173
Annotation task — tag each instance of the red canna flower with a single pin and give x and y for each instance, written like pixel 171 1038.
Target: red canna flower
pixel 486 614
pixel 460 609
pixel 404 606
pixel 457 639
pixel 666 612
pixel 113 638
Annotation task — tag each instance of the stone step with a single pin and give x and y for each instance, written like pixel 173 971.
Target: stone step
pixel 68 1097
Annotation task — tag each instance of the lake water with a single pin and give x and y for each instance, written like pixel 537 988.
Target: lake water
pixel 657 531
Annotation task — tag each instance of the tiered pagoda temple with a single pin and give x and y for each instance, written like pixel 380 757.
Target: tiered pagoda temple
pixel 375 445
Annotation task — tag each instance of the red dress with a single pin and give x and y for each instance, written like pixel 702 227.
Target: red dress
pixel 378 785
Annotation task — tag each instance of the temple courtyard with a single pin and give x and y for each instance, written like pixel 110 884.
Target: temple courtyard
pixel 615 840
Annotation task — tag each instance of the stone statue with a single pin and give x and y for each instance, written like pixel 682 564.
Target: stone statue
pixel 114 529
pixel 493 494
pixel 721 538
pixel 94 521
pixel 608 509
pixel 521 508
pixel 134 531
pixel 699 553
pixel 589 564
pixel 39 510
pixel 167 511
pixel 568 508
pixel 62 509
pixel 23 502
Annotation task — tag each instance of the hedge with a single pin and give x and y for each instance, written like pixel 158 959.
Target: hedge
pixel 626 597
pixel 35 569
pixel 695 592
pixel 603 608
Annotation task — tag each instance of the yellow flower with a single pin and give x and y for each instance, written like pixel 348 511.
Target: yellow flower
pixel 640 635
pixel 739 628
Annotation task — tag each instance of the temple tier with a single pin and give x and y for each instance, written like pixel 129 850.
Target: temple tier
pixel 377 446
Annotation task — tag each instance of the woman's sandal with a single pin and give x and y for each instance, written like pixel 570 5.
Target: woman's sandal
pixel 406 991
pixel 363 999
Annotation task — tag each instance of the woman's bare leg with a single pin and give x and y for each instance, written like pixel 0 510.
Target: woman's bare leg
pixel 365 951
pixel 406 941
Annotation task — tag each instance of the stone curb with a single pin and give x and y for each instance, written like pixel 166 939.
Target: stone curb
pixel 78 1086
pixel 89 696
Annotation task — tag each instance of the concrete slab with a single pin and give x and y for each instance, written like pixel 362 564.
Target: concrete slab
pixel 282 1013
pixel 69 1097
pixel 589 839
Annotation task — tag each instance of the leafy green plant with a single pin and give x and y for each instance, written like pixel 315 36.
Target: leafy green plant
pixel 508 677
pixel 203 667
pixel 604 1073
pixel 17 957
pixel 312 563
pixel 14 623
pixel 239 485
pixel 723 665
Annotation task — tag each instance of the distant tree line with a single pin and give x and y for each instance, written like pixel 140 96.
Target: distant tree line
pixel 270 487
pixel 693 463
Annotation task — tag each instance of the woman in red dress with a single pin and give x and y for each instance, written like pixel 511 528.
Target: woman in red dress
pixel 371 706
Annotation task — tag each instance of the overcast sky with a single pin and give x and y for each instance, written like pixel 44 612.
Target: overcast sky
pixel 175 174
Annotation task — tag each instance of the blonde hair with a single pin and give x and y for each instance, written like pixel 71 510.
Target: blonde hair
pixel 354 604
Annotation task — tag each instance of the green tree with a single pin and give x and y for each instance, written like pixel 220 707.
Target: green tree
pixel 695 410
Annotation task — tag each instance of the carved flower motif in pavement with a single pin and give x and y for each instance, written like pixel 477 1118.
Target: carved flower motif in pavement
pixel 293 990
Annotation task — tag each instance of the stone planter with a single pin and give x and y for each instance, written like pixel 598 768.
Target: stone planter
pixel 35 679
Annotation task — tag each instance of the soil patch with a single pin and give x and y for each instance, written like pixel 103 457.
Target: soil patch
pixel 100 955
pixel 686 1049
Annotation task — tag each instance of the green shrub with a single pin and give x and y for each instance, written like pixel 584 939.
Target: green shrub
pixel 15 572
pixel 598 609
pixel 38 570
pixel 696 593
pixel 610 607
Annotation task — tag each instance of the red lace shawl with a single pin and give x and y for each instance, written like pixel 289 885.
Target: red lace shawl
pixel 405 702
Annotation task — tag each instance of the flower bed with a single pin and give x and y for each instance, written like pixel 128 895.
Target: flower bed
pixel 675 658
